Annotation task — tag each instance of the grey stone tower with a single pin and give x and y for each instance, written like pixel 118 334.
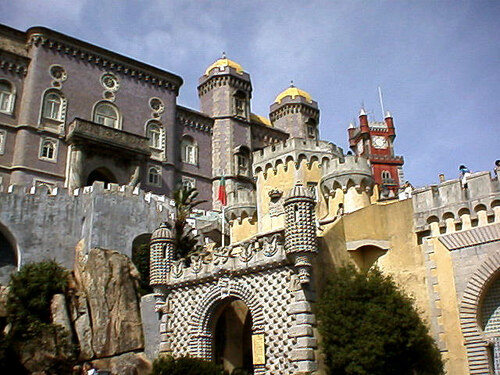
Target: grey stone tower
pixel 295 112
pixel 300 230
pixel 225 91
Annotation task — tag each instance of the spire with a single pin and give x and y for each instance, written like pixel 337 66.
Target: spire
pixel 362 112
pixel 388 114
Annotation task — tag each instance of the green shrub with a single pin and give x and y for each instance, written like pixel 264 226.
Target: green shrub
pixel 369 327
pixel 30 294
pixel 183 366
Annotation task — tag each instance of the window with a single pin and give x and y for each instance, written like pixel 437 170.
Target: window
pixel 188 183
pixel 6 97
pixel 240 104
pixel 154 176
pixel 52 106
pixel 3 138
pixel 48 149
pixel 154 132
pixel 107 114
pixel 189 150
pixel 386 176
pixel 311 129
pixel 242 160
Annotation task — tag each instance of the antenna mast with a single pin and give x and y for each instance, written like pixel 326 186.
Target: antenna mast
pixel 381 102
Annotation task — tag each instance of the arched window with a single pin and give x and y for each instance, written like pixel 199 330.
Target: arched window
pixel 53 106
pixel 154 176
pixel 154 132
pixel 311 128
pixel 242 160
pixel 386 176
pixel 240 104
pixel 107 114
pixel 189 150
pixel 6 97
pixel 48 149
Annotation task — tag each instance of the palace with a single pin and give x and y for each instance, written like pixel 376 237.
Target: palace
pixel 92 145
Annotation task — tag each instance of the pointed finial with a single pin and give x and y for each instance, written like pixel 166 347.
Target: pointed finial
pixel 362 112
pixel 291 83
pixel 224 55
pixel 388 114
pixel 351 125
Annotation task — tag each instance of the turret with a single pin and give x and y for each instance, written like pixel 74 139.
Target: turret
pixel 295 112
pixel 300 230
pixel 161 254
pixel 225 91
pixel 348 182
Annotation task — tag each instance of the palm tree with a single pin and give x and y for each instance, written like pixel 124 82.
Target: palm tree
pixel 186 242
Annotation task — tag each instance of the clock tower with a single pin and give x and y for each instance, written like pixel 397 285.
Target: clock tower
pixel 374 141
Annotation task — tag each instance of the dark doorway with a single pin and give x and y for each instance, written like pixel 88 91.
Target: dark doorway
pixel 233 338
pixel 101 174
pixel 8 259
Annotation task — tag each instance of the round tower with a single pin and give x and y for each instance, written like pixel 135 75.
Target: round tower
pixel 347 183
pixel 300 230
pixel 161 254
pixel 295 112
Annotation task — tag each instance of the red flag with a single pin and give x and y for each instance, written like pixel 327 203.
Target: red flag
pixel 222 197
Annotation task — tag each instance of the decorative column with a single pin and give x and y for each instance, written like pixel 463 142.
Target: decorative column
pixel 300 230
pixel 161 256
pixel 76 167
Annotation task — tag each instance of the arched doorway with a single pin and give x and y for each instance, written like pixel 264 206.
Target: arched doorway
pixel 141 259
pixel 232 333
pixel 101 174
pixel 8 256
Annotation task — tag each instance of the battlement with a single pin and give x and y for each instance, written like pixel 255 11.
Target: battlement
pixel 449 201
pixel 48 223
pixel 345 172
pixel 296 150
pixel 160 202
pixel 263 251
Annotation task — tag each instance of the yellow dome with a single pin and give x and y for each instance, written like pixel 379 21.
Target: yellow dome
pixel 222 63
pixel 293 92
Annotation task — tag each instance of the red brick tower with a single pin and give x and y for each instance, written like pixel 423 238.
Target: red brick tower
pixel 374 141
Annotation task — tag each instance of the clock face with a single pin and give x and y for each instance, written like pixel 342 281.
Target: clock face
pixel 379 142
pixel 360 147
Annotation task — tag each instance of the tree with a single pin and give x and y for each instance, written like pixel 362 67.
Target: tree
pixel 185 241
pixel 369 327
pixel 33 342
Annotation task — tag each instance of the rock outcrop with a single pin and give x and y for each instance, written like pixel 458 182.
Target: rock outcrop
pixel 107 280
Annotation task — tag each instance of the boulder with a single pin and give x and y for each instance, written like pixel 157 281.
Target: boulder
pixel 109 280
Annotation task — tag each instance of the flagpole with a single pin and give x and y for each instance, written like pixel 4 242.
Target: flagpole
pixel 223 234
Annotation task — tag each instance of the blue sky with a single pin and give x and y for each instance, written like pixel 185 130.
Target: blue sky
pixel 438 62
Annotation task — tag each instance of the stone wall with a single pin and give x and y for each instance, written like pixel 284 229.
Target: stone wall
pixel 41 226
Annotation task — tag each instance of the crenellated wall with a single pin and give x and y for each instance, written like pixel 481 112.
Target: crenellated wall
pixel 48 225
pixel 447 207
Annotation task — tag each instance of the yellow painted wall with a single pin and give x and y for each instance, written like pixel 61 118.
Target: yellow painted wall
pixel 456 356
pixel 284 181
pixel 241 230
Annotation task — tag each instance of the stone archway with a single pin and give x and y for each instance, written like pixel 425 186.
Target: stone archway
pixel 205 317
pixel 101 174
pixel 477 343
pixel 232 333
pixel 9 257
